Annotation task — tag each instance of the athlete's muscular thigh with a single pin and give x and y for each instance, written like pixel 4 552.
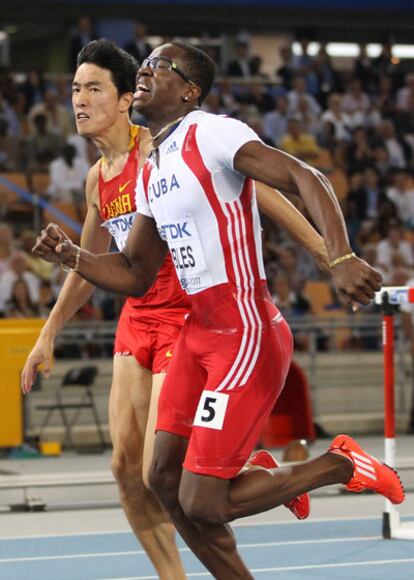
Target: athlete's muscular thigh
pixel 129 404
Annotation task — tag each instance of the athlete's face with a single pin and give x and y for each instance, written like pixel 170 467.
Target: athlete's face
pixel 95 100
pixel 160 86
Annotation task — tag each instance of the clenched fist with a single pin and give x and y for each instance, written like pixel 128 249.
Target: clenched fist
pixel 53 245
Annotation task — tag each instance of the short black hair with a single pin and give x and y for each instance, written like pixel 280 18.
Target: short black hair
pixel 199 66
pixel 107 55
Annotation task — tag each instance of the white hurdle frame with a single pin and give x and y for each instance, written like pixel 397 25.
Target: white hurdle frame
pixel 388 297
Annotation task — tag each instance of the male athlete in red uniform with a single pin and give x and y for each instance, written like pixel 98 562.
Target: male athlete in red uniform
pixel 148 326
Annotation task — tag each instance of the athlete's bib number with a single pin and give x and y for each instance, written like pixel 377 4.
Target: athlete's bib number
pixel 211 410
pixel 187 253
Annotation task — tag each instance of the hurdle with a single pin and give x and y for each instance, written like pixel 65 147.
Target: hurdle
pixel 389 297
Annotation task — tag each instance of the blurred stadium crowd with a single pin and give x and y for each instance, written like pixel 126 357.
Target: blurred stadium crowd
pixel 355 125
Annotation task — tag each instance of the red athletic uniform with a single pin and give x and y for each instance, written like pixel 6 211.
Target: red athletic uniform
pixel 149 326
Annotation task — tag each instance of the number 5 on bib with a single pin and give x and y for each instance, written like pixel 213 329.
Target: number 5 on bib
pixel 211 410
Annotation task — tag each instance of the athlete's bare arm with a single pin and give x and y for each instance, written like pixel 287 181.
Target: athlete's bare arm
pixel 129 272
pixel 75 291
pixel 280 210
pixel 355 280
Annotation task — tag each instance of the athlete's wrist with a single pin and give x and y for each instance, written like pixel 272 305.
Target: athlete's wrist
pixel 70 262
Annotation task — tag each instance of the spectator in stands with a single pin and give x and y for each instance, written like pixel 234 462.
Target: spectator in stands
pixel 332 149
pixel 275 122
pixel 80 35
pixel 340 120
pixel 8 86
pixel 328 79
pixel 405 93
pixel 298 143
pixel 291 303
pixel 384 98
pixel 401 193
pixel 360 153
pixel 394 252
pixel 382 162
pixel 7 246
pixel 63 88
pixel 256 63
pixel 404 121
pixel 8 113
pixel 384 63
pixel 20 304
pixel 304 65
pixel 253 118
pixel 258 96
pixel 67 178
pixel 353 222
pixel 9 148
pixel 363 70
pixel 213 103
pixel 41 147
pixel 33 88
pixel 307 117
pixel 139 46
pixel 289 264
pixel 18 270
pixel 240 66
pixel 59 119
pixel 387 213
pixel 398 149
pixel 230 104
pixel 298 92
pixel 370 196
pixel 356 102
pixel 285 72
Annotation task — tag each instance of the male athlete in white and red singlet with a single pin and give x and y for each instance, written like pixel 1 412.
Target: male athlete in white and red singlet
pixel 215 241
pixel 196 193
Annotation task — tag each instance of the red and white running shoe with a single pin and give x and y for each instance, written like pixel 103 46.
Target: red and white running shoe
pixel 300 505
pixel 369 473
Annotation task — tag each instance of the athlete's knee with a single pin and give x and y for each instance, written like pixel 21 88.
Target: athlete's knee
pixel 202 509
pixel 126 468
pixel 164 480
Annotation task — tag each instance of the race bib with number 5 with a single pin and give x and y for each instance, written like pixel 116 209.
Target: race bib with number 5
pixel 211 410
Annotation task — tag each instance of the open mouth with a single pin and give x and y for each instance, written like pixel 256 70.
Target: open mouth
pixel 82 117
pixel 141 89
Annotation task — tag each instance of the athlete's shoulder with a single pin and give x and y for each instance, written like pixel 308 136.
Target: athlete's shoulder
pixel 211 122
pixel 92 182
pixel 142 139
pixel 139 134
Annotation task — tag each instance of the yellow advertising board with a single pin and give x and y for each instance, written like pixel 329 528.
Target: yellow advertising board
pixel 17 337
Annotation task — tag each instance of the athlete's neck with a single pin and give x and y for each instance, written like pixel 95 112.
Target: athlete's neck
pixel 114 146
pixel 160 129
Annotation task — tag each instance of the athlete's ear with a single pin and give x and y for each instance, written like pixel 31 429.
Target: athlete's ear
pixel 125 102
pixel 191 94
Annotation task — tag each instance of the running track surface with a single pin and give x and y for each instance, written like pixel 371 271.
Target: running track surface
pixel 319 550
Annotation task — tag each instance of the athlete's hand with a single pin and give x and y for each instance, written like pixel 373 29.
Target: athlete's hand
pixel 356 281
pixel 53 245
pixel 41 353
